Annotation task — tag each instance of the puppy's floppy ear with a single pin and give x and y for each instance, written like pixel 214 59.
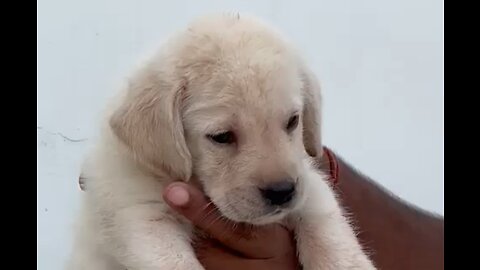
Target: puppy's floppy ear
pixel 149 123
pixel 312 139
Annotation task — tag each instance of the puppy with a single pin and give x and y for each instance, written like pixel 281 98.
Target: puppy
pixel 229 102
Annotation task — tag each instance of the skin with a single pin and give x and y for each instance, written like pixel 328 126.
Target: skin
pixel 226 247
pixel 398 235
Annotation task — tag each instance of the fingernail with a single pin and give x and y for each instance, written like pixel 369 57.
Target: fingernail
pixel 178 196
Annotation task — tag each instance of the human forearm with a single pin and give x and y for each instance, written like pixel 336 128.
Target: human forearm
pixel 399 235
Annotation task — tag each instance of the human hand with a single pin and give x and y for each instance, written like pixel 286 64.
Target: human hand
pixel 230 245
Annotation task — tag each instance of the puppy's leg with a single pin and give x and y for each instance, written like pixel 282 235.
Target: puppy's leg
pixel 87 252
pixel 325 239
pixel 143 237
pixel 87 256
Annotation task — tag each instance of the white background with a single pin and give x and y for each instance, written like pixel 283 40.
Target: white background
pixel 380 63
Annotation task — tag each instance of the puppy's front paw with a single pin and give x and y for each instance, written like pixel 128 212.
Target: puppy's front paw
pixel 325 239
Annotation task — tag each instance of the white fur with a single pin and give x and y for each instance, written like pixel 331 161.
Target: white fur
pixel 222 73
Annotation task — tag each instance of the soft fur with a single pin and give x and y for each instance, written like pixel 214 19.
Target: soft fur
pixel 223 73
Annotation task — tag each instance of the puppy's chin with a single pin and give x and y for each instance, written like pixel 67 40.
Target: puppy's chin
pixel 246 205
pixel 269 219
pixel 267 216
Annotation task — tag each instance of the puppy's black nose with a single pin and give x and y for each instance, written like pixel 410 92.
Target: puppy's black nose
pixel 279 193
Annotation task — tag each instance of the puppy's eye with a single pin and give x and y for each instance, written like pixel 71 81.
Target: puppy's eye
pixel 292 123
pixel 223 138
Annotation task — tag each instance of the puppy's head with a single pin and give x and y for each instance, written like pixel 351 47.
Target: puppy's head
pixel 229 102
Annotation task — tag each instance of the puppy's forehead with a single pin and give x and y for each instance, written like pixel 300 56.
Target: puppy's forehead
pixel 278 93
pixel 245 75
pixel 237 107
pixel 240 65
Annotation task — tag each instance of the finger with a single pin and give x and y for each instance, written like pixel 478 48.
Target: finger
pixel 254 242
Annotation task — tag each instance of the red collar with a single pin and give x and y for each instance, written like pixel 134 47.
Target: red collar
pixel 333 165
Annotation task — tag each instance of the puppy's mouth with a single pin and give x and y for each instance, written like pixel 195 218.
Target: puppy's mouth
pixel 273 214
pixel 254 210
pixel 250 205
pixel 273 217
pixel 254 216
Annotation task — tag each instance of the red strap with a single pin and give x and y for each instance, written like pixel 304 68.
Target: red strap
pixel 333 165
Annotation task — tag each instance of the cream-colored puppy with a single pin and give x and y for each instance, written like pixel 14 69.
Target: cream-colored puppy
pixel 229 102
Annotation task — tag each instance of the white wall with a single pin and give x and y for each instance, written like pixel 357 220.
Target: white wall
pixel 380 63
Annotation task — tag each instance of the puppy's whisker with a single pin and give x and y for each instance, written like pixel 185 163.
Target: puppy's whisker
pixel 207 205
pixel 213 222
pixel 198 214
pixel 208 214
pixel 226 232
